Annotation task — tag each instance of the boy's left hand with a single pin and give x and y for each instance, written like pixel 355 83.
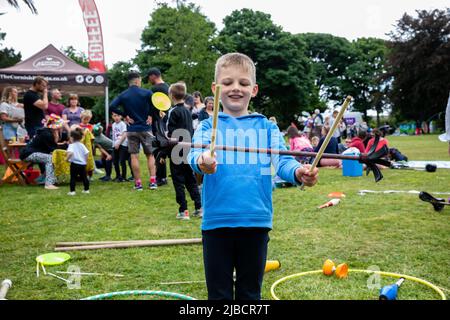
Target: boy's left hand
pixel 304 175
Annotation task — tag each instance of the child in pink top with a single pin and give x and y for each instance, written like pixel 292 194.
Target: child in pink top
pixel 299 142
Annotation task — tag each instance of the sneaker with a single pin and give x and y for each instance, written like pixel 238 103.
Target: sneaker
pixel 162 182
pixel 131 179
pixel 51 187
pixel 105 179
pixel 98 171
pixel 86 191
pixel 120 179
pixel 153 186
pixel 72 193
pixel 198 213
pixel 183 215
pixel 138 187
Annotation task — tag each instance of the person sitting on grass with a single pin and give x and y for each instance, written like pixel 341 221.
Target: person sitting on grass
pixel 237 197
pixel 332 147
pixel 299 142
pixel 105 145
pixel 382 142
pixel 77 155
pixel 180 118
pixel 358 141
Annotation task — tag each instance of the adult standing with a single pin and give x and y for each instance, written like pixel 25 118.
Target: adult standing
pixel 158 124
pixel 317 123
pixel 12 113
pixel 72 114
pixel 54 105
pixel 208 110
pixel 137 108
pixel 35 105
pixel 198 105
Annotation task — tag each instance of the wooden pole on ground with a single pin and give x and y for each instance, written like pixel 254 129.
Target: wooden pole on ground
pixel 147 243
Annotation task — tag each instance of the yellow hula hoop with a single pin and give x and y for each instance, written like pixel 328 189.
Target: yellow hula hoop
pixel 381 273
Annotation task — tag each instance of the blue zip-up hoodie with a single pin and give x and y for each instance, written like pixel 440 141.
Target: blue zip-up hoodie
pixel 239 194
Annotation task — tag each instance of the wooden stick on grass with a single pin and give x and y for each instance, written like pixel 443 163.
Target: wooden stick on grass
pixel 148 243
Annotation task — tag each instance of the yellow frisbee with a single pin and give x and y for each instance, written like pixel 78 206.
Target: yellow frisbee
pixel 161 101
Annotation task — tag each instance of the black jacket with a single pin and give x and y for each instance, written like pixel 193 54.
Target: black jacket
pixel 180 118
pixel 42 142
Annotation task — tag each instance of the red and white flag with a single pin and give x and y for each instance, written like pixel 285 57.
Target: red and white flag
pixel 95 37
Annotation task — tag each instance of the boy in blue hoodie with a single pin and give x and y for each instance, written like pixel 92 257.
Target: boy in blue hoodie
pixel 237 187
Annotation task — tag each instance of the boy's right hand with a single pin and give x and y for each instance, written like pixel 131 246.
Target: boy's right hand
pixel 206 163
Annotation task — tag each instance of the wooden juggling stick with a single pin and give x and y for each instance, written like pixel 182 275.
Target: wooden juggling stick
pixel 330 133
pixel 215 119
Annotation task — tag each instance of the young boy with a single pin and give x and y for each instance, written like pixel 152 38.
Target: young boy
pixel 179 117
pixel 77 155
pixel 237 187
pixel 120 152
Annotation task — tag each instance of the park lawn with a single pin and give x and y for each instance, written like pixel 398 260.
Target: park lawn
pixel 394 232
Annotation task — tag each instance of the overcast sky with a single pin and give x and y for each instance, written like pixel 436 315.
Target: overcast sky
pixel 61 23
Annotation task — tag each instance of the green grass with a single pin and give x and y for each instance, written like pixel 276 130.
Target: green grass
pixel 396 232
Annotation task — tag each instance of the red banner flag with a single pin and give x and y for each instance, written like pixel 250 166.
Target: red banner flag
pixel 95 37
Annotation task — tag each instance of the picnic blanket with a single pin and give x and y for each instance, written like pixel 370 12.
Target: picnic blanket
pixel 421 164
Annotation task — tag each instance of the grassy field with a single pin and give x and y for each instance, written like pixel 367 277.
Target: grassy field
pixel 395 232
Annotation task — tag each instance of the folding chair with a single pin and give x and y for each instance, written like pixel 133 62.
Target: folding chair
pixel 14 167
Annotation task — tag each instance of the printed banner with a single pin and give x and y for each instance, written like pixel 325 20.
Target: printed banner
pixel 95 37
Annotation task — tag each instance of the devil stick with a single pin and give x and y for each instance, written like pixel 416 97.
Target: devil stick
pixel 330 133
pixel 370 159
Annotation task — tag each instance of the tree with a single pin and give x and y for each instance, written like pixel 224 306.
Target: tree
pixel 8 57
pixel 331 57
pixel 419 63
pixel 178 40
pixel 344 68
pixel 77 56
pixel 29 3
pixel 283 71
pixel 365 79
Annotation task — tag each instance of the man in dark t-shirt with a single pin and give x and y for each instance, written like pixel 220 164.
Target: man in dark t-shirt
pixel 158 123
pixel 35 105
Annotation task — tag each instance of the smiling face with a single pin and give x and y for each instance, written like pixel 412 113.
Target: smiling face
pixel 237 89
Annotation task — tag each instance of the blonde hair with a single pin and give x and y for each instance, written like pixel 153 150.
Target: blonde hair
pixel 178 90
pixel 6 95
pixel 236 59
pixel 86 114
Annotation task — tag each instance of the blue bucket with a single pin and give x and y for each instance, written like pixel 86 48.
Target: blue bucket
pixel 352 168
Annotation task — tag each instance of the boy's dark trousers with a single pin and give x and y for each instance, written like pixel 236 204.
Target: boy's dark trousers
pixel 120 158
pixel 78 170
pixel 161 172
pixel 182 175
pixel 107 164
pixel 243 249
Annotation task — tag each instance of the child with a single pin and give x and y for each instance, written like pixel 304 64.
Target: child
pixel 77 155
pixel 86 117
pixel 120 152
pixel 237 197
pixel 298 142
pixel 106 149
pixel 179 117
